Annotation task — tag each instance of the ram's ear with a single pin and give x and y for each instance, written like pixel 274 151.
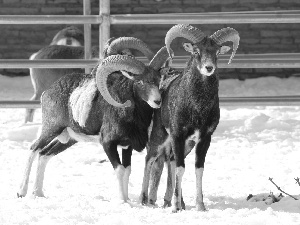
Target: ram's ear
pixel 224 49
pixel 164 71
pixel 188 47
pixel 126 74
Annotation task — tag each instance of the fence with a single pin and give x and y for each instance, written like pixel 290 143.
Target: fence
pixel 105 20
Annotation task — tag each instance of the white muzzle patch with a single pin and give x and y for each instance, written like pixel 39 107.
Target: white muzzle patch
pixel 81 101
pixel 204 71
pixel 154 99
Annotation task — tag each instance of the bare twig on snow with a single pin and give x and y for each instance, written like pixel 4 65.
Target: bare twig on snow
pixel 297 180
pixel 271 179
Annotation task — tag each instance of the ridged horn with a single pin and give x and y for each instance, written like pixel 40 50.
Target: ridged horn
pixel 159 59
pixel 106 46
pixel 189 32
pixel 227 34
pixel 122 43
pixel 112 64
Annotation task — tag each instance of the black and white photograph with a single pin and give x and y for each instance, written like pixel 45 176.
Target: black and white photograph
pixel 116 112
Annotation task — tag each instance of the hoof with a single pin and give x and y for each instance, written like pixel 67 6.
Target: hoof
pixel 20 196
pixel 144 199
pixel 151 202
pixel 200 207
pixel 38 194
pixel 167 204
pixel 176 210
pixel 182 204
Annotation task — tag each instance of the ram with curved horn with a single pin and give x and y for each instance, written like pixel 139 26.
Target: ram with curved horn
pixel 43 78
pixel 188 116
pixel 88 107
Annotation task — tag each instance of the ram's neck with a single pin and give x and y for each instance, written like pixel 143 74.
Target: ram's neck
pixel 200 86
pixel 142 110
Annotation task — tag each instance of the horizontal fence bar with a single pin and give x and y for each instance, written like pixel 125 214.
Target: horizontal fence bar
pixel 50 19
pixel 20 104
pixel 271 63
pixel 246 12
pixel 208 18
pixel 47 63
pixel 224 101
pixel 241 17
pixel 278 60
pixel 261 101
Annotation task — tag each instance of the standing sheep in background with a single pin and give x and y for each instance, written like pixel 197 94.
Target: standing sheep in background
pixel 42 78
pixel 189 113
pixel 84 107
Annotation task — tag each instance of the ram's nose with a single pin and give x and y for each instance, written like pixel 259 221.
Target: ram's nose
pixel 157 102
pixel 209 68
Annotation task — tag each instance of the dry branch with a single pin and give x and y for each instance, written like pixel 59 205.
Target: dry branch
pixel 297 180
pixel 271 179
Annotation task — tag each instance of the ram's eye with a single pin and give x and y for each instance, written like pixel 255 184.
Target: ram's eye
pixel 140 82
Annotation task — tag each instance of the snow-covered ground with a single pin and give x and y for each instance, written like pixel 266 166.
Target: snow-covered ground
pixel 249 146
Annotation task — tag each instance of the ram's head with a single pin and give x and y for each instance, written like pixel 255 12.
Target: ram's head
pixel 204 49
pixel 146 78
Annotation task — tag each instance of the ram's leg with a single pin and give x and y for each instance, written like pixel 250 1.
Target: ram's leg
pixel 170 183
pixel 29 113
pixel 44 139
pixel 38 89
pixel 24 185
pixel 39 179
pixel 126 161
pixel 146 178
pixel 111 151
pixel 152 171
pixel 201 150
pixel 54 148
pixel 178 150
pixel 155 175
pixel 182 202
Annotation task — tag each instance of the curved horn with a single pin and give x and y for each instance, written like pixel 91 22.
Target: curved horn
pixel 129 42
pixel 112 64
pixel 160 58
pixel 227 34
pixel 183 30
pixel 106 46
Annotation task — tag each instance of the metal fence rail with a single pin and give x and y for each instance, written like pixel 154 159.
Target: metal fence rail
pixel 292 16
pixel 105 20
pixel 48 63
pixel 224 101
pixel 240 61
pixel 201 18
pixel 50 19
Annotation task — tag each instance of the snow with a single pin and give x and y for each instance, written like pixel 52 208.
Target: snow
pixel 250 145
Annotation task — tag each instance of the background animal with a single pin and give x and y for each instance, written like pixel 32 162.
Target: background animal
pixel 42 78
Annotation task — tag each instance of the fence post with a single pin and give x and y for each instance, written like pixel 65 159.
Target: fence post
pixel 87 33
pixel 104 29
